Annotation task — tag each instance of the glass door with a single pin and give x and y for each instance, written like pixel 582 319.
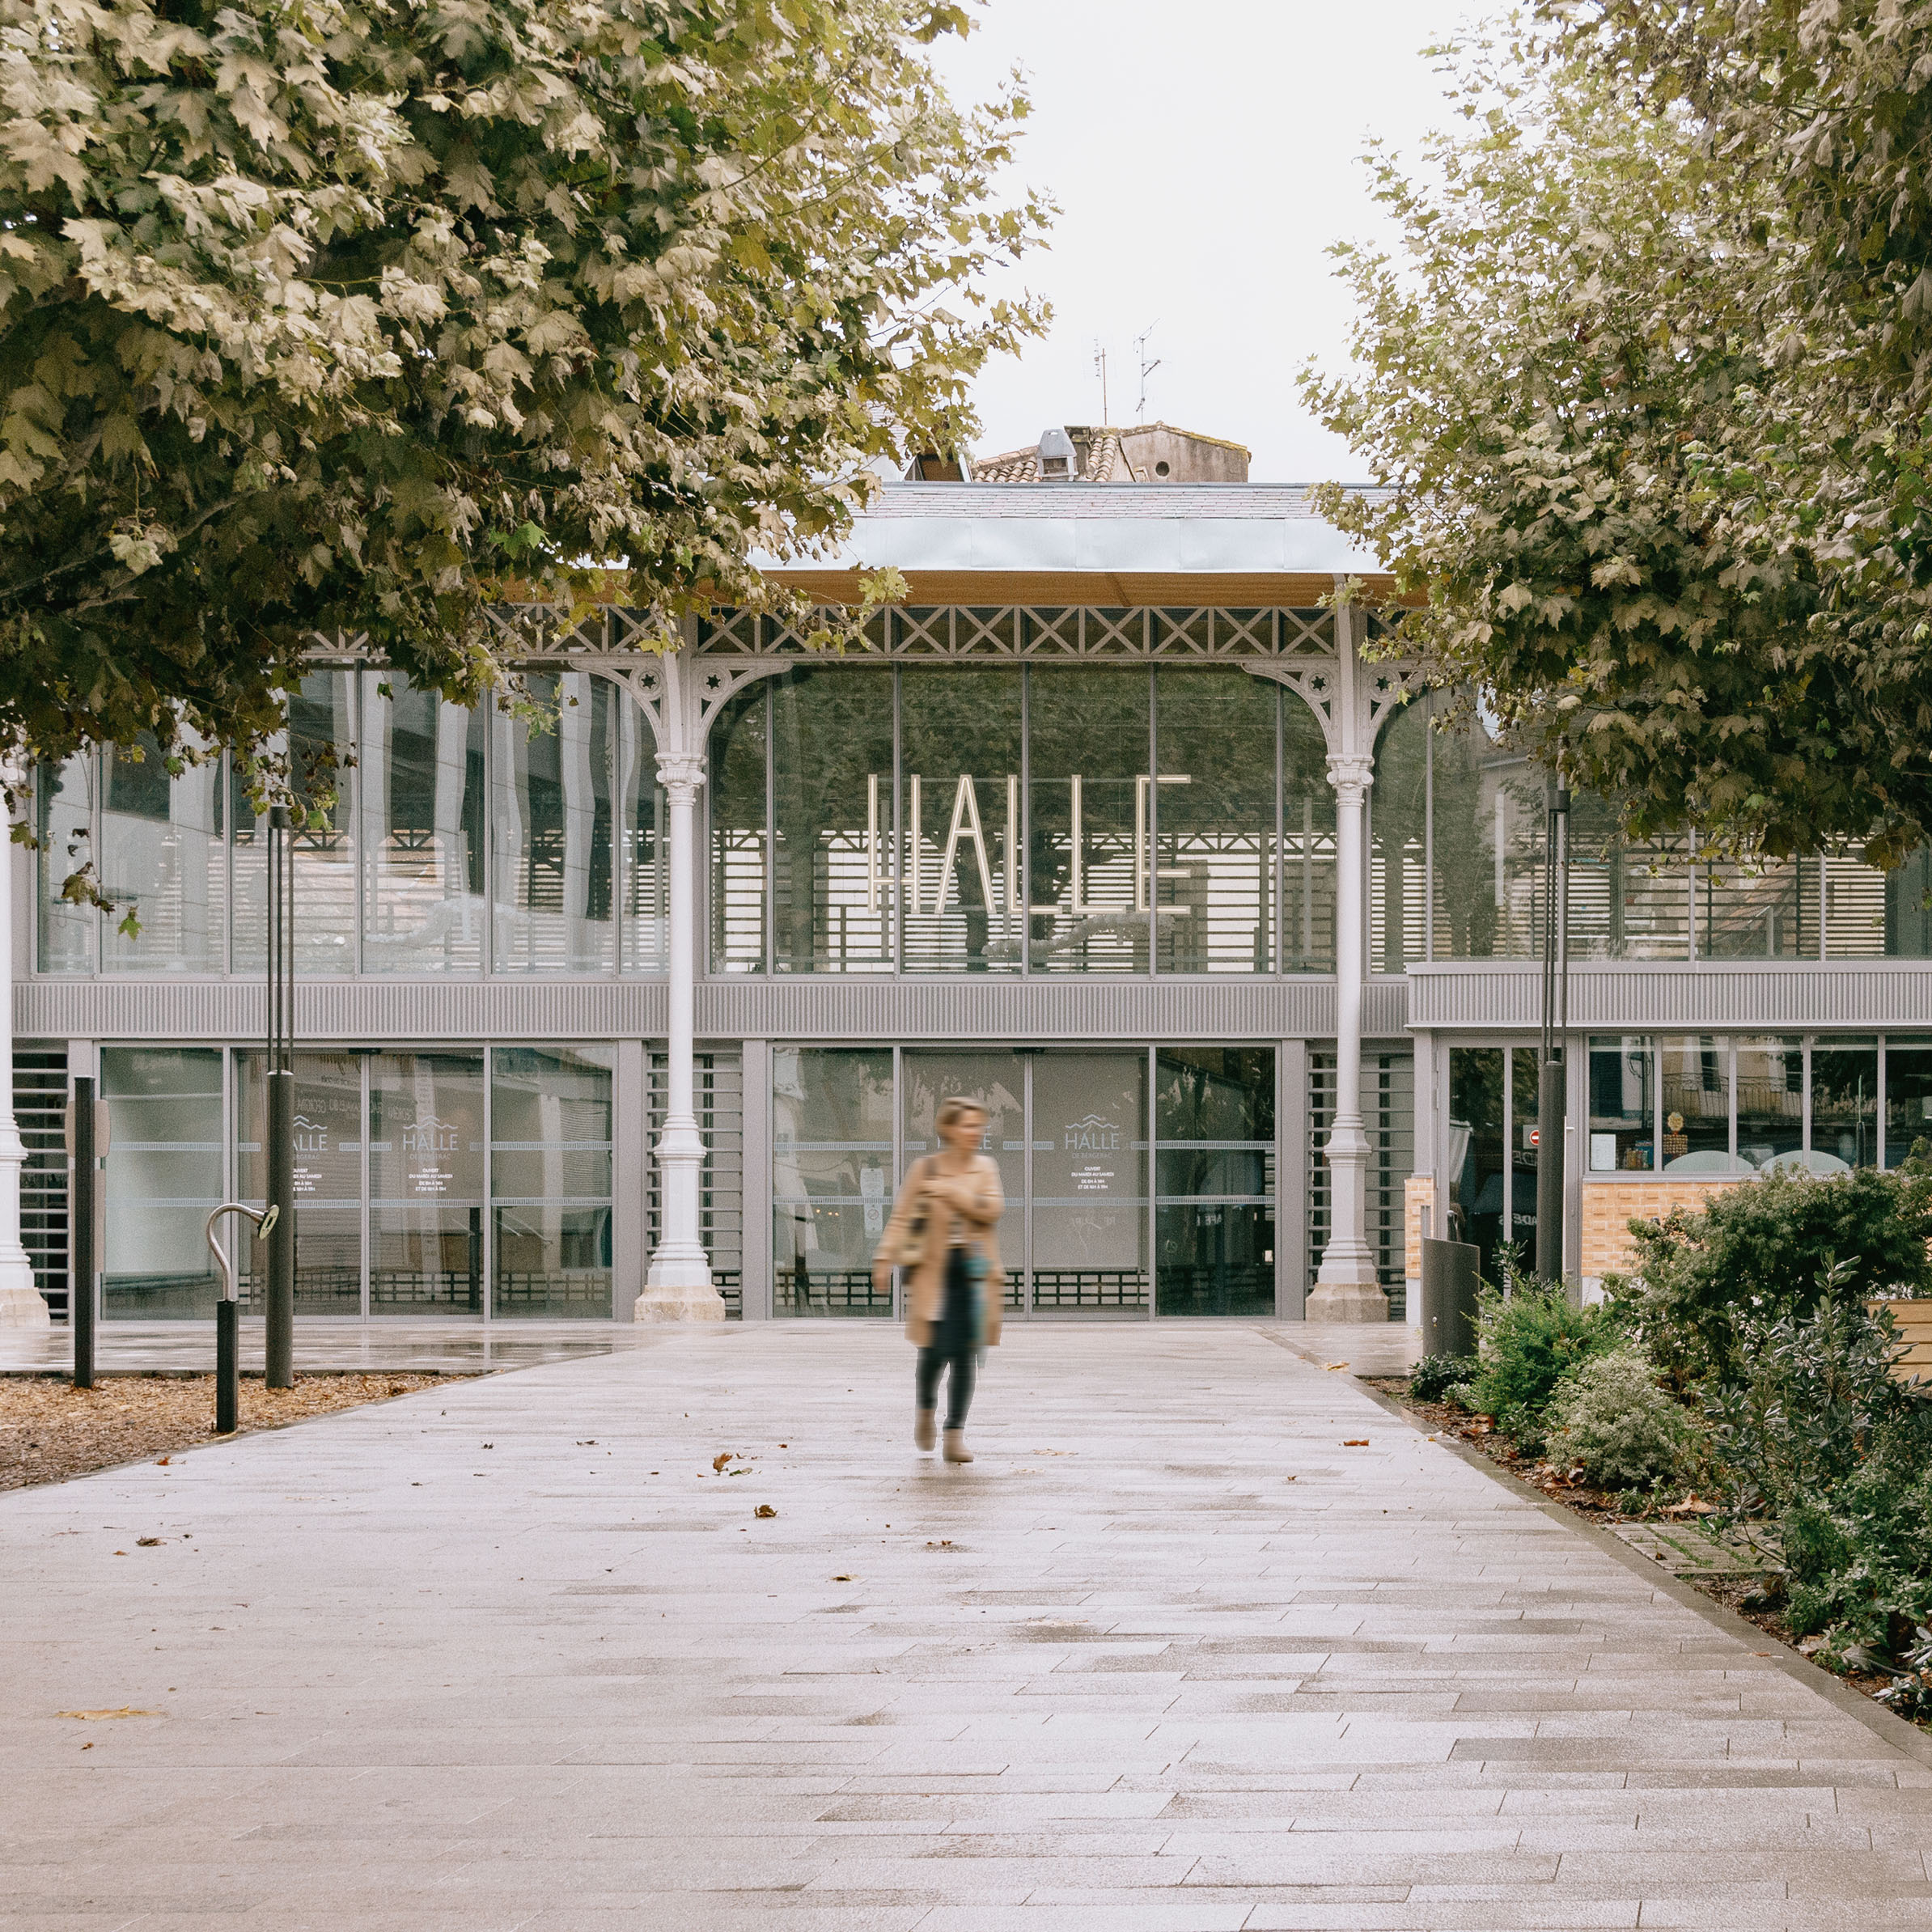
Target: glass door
pixel 1089 1232
pixel 998 1080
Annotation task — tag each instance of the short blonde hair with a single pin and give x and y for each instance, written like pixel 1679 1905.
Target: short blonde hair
pixel 950 1110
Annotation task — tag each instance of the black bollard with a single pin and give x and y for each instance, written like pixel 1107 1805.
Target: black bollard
pixel 227 1368
pixel 83 1219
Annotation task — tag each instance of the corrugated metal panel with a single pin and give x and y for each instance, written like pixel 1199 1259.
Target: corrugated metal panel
pixel 982 1008
pixel 1715 996
pixel 344 1010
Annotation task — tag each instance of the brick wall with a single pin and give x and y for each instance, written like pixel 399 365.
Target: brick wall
pixel 1609 1206
pixel 1419 1191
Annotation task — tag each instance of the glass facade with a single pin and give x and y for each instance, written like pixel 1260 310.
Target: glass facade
pixel 164 1174
pixel 432 841
pixel 1691 1103
pixel 1025 818
pixel 833 1177
pixel 1492 1165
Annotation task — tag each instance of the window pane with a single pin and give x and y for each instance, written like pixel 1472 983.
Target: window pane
pixel 1478 1155
pixel 1845 1106
pixel 1758 910
pixel 63 810
pixel 959 807
pixel 426 1184
pixel 421 777
pixel 552 787
pixel 1855 909
pixel 163 1177
pixel 1907 1097
pixel 321 744
pixel 646 920
pixel 831 1177
pixel 1524 1105
pixel 1212 805
pixel 1622 1121
pixel 1488 816
pixel 550 1178
pixel 1770 1100
pixel 1307 842
pixel 1694 1085
pixel 1398 807
pixel 1214 1094
pixel 832 769
pixel 327 1177
pixel 1215 1258
pixel 1087 753
pixel 164 859
pixel 737 799
pixel 1908 908
pixel 1090 1188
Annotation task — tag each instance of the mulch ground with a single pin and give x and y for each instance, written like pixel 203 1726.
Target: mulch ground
pixel 50 1430
pixel 1739 1594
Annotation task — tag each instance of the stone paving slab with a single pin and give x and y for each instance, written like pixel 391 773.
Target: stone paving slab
pixel 1170 1657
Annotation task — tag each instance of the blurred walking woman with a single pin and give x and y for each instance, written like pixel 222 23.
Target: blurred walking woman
pixel 941 1233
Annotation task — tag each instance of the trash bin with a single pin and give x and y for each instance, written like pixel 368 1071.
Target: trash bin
pixel 1449 1278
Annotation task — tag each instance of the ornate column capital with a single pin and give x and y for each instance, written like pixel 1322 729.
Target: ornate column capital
pixel 682 775
pixel 1351 774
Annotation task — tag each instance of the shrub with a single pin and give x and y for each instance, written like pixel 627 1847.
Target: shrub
pixel 1528 1340
pixel 1435 1376
pixel 1766 1246
pixel 1858 1560
pixel 1611 1416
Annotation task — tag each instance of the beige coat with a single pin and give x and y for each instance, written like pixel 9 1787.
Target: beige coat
pixel 926 1282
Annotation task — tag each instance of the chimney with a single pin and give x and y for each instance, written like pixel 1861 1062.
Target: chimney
pixel 1057 461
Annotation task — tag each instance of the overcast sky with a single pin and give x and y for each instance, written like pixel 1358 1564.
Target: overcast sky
pixel 1203 156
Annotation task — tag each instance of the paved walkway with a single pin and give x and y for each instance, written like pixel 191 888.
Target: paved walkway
pixel 1182 1652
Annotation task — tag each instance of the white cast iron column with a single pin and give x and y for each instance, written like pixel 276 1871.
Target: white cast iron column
pixel 1345 1287
pixel 21 1305
pixel 679 1286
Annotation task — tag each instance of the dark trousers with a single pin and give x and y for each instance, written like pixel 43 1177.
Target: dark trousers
pixel 953 1345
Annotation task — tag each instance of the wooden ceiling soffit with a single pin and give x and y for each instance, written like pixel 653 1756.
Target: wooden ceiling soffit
pixel 1118 590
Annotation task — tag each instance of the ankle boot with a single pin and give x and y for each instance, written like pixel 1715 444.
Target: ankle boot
pixel 925 1428
pixel 955 1451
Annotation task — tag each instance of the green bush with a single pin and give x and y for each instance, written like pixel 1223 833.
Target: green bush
pixel 1858 1560
pixel 1764 1247
pixel 1528 1340
pixel 1610 1417
pixel 1432 1378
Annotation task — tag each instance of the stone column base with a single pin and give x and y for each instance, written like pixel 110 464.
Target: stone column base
pixel 1347 1301
pixel 678 1301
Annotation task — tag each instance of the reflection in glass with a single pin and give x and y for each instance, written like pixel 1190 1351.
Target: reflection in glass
pixel 1213 1111
pixel 321 775
pixel 959 807
pixel 738 797
pixel 328 1176
pixel 831 1177
pixel 832 780
pixel 1086 819
pixel 1523 1109
pixel 550 1182
pixel 1907 1097
pixel 421 779
pixel 1908 908
pixel 1622 1114
pixel 1307 842
pixel 1855 908
pixel 163 1176
pixel 163 861
pixel 1211 874
pixel 63 827
pixel 426 1184
pixel 552 787
pixel 998 1083
pixel 1770 1100
pixel 645 925
pixel 1090 1184
pixel 1478 1149
pixel 1693 1081
pixel 1627 901
pixel 1845 1106
pixel 1489 809
pixel 1398 811
pixel 1755 909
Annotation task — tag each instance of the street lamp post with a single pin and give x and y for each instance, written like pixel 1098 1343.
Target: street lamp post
pixel 279 1362
pixel 1552 1100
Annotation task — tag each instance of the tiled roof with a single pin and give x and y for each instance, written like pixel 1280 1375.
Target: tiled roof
pixel 1105 463
pixel 1083 500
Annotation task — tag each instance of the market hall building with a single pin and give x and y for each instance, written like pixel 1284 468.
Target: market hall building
pixel 1119 825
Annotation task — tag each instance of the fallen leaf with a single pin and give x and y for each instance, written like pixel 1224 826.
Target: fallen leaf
pixel 840 1579
pixel 1288 1478
pixel 1356 1442
pixel 719 1460
pixel 161 1462
pixel 88 1746
pixel 765 1509
pixel 1337 1364
pixel 126 1710
pixel 147 1542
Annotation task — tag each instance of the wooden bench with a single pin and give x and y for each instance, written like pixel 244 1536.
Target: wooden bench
pixel 1914 1319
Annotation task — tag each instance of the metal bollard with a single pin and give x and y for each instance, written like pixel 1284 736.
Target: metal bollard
pixel 227 1359
pixel 87 1148
pixel 1449 1278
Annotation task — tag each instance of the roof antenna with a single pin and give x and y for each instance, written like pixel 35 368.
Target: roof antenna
pixel 1100 371
pixel 1147 368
